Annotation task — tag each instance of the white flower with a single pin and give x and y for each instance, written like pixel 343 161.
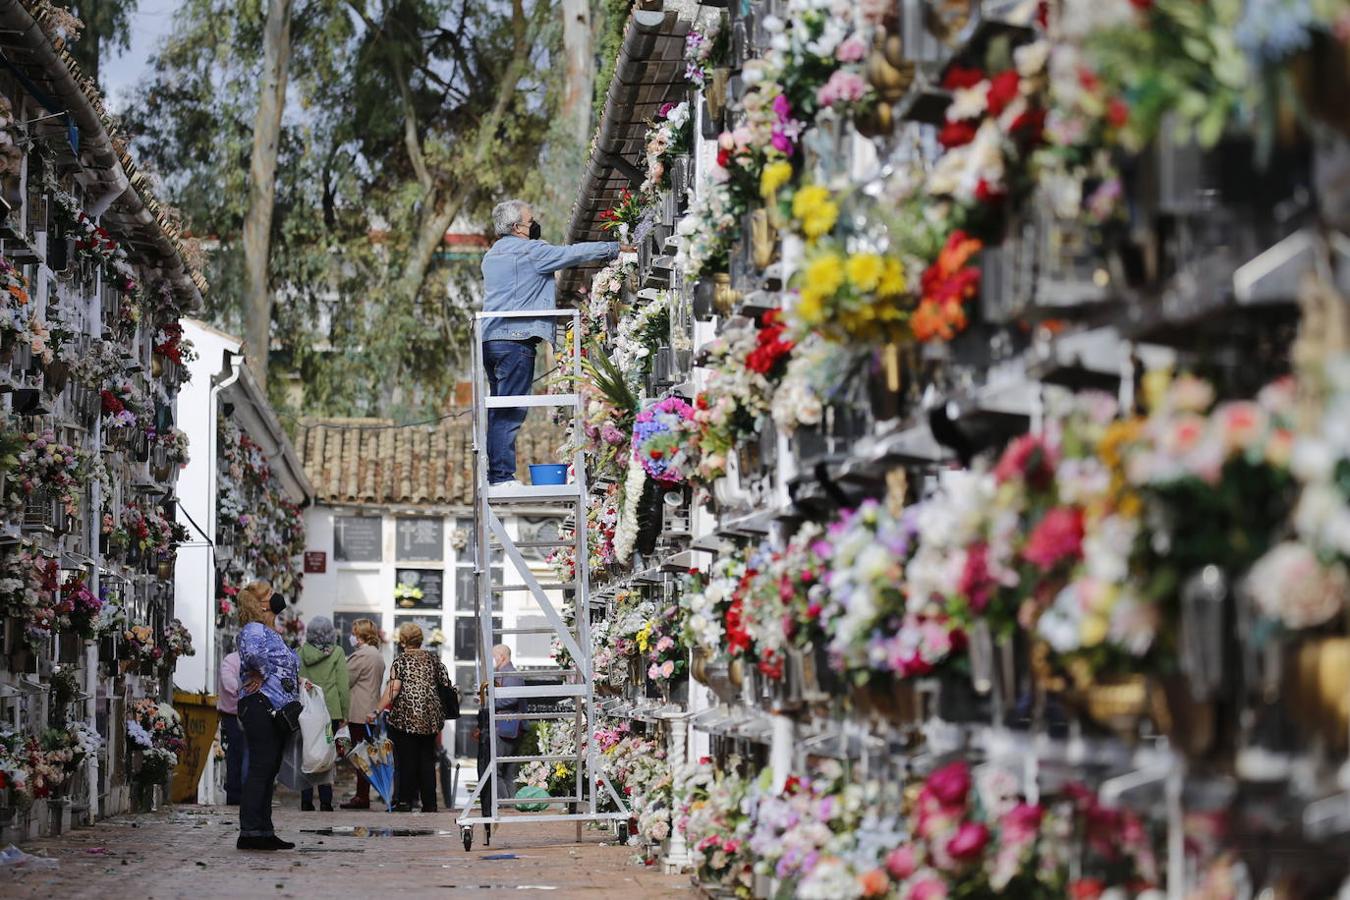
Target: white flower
pixel 1106 549
pixel 1290 585
pixel 1058 626
pixel 1133 623
pixel 1030 59
pixel 969 103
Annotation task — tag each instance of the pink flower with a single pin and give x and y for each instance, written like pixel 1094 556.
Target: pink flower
pixel 976 582
pixel 1030 458
pixel 843 87
pixel 782 143
pixel 969 841
pixel 782 108
pixel 1057 537
pixel 901 863
pixel 1021 822
pixel 851 49
pixel 929 887
pixel 950 784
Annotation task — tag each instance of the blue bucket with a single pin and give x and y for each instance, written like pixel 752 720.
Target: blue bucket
pixel 548 473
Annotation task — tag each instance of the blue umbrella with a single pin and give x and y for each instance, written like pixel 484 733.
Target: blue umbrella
pixel 374 756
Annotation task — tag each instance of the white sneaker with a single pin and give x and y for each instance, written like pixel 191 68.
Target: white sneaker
pixel 510 483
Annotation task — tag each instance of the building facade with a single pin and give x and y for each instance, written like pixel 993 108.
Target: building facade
pixel 389 538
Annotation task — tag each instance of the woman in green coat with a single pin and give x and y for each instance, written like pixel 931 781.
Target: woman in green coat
pixel 323 662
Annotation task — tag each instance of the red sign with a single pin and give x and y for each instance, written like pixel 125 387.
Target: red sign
pixel 316 562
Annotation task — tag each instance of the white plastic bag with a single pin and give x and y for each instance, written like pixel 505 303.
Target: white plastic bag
pixel 316 731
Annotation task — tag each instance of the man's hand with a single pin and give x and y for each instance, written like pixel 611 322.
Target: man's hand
pixel 627 248
pixel 253 682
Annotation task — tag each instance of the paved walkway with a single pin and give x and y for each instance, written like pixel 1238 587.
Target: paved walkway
pixel 189 852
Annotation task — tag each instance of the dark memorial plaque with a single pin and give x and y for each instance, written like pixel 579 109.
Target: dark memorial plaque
pixel 430 581
pixel 358 539
pixel 419 540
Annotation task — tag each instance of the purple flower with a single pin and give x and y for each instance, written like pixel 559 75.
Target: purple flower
pixel 782 108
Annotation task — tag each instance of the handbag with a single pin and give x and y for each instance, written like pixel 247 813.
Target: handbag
pixel 447 692
pixel 287 718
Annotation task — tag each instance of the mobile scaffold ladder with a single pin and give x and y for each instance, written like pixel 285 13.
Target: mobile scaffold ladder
pixel 583 805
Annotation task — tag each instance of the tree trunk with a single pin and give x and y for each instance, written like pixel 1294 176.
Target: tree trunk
pixel 579 70
pixel 262 188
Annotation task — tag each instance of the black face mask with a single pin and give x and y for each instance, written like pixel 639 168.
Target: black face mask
pixel 277 604
pixel 535 231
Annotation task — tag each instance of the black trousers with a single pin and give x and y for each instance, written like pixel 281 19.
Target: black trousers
pixel 236 757
pixel 415 765
pixel 265 744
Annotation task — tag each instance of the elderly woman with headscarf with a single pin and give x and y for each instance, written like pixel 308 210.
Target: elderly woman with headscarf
pixel 323 662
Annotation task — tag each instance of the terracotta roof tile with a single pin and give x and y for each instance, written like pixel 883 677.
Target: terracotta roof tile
pixel 366 461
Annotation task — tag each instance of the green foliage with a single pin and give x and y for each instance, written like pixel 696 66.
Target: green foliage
pixel 107 27
pixel 398 115
pixel 613 19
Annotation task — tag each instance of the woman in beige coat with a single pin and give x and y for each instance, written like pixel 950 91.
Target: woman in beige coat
pixel 365 672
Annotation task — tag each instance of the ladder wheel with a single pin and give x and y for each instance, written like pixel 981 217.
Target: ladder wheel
pixel 466 833
pixel 623 833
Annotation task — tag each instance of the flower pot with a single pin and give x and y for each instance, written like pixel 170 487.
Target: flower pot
pixel 1118 704
pixel 725 297
pixel 957 700
pixel 1318 682
pixel 1191 725
pixel 703 306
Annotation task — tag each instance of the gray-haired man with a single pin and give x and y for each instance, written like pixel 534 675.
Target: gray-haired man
pixel 517 275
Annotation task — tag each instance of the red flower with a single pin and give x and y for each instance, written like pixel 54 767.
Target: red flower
pixel 1028 126
pixel 723 157
pixel 1057 537
pixel 1029 458
pixel 956 134
pixel 1086 889
pixel 975 582
pixel 1117 112
pixel 1003 89
pixel 962 77
pixel 989 195
pixel 112 405
pixel 969 841
pixel 950 784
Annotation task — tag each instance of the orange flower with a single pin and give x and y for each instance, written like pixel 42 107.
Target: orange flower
pixel 874 883
pixel 937 320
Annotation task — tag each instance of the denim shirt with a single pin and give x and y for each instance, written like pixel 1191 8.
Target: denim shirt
pixel 262 650
pixel 518 274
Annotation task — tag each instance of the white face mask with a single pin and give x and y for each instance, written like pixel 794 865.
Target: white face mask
pixel 351 639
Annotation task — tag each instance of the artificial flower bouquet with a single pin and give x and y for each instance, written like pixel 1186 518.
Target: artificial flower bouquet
pixel 44 462
pixel 810 819
pixel 177 642
pixel 658 642
pixel 28 592
pixel 84 608
pixel 669 135
pixel 858 296
pixel 624 215
pixel 711 811
pixel 662 436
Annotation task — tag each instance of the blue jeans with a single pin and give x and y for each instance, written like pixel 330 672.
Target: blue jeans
pixel 510 372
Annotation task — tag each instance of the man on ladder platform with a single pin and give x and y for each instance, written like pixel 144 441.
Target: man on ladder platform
pixel 519 313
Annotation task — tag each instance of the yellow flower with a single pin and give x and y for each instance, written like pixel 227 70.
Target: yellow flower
pixel 774 176
pixel 892 279
pixel 864 270
pixel 561 771
pixel 1093 630
pixel 643 636
pixel 1155 386
pixel 824 275
pixel 810 307
pixel 813 207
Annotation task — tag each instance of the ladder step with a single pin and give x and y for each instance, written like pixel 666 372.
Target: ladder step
pixel 536 716
pixel 542 690
pixel 531 493
pixel 540 630
pixel 548 586
pixel 537 545
pixel 576 817
pixel 521 401
pixel 515 801
pixel 543 757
